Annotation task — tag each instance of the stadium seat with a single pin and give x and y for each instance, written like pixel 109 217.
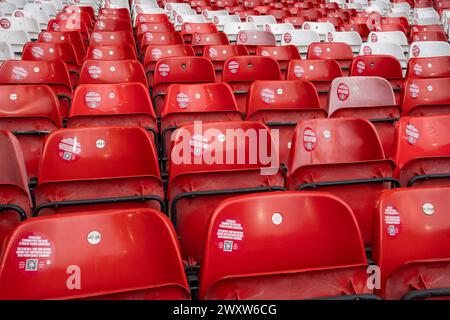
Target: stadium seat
pixel 425 49
pixel 368 98
pixel 16 39
pixel 340 52
pixel 281 105
pixel 198 182
pixel 221 20
pixel 361 28
pixel 6 52
pixel 113 38
pixel 93 258
pixel 111 52
pixel 29 25
pixel 218 54
pixel 297 22
pixel 281 254
pixel 159 38
pixel 60 25
pixel 352 38
pixel 72 37
pixel 233 28
pixel 99 71
pixel 321 28
pixel 113 25
pixel 429 36
pixel 278 29
pixel 123 104
pixel 200 40
pixel 389 49
pixel 396 37
pixel 30 112
pixel 344 157
pixel 411 246
pixel 51 73
pixel 179 70
pixel 241 71
pixel 282 54
pixel 426 96
pixel 421 151
pixel 188 29
pixel 87 169
pixel 182 18
pixel 318 72
pixel 383 66
pixel 301 39
pixel 431 67
pixel 186 103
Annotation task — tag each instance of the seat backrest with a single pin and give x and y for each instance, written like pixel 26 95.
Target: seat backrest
pixel 6 52
pixel 15 38
pixel 387 67
pixel 199 40
pixel 314 70
pixel 112 38
pixel 397 37
pixel 99 71
pixel 422 49
pixel 299 38
pixel 111 52
pixel 330 50
pixel 426 96
pixel 233 28
pixel 391 49
pixel 112 25
pixel 260 21
pixel 209 14
pixel 352 38
pixel 221 20
pixel 72 37
pixel 420 138
pixel 220 53
pixel 155 52
pixel 49 51
pixel 321 28
pixel 430 67
pixel 279 53
pixel 339 140
pixel 405 216
pixel 360 92
pixel 180 19
pixel 29 25
pixel 236 246
pixel 256 38
pixel 149 261
pixel 278 28
pixel 250 68
pixel 112 104
pixel 201 27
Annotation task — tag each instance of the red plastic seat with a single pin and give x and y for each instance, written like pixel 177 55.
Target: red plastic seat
pixel 241 71
pixel 368 98
pixel 304 260
pixel 422 151
pixel 179 70
pixel 186 103
pixel 282 54
pixel 47 51
pixel 81 9
pixel 189 28
pixel 297 22
pixel 341 52
pixel 74 18
pixel 279 14
pixel 415 217
pixel 211 163
pixel 430 67
pixel 109 16
pixel 337 22
pixel 87 169
pixel 123 104
pixel 311 14
pixel 118 13
pixel 425 28
pixel 99 71
pixel 387 67
pixel 15 200
pixel 218 54
pixel 159 38
pixel 151 18
pixel 361 28
pixel 107 53
pixel 426 97
pixel 51 73
pixel 200 40
pixel 344 157
pixel 113 25
pixel 428 36
pixel 63 26
pixel 30 112
pixel 155 52
pixel 254 38
pixel 88 255
pixel 281 105
pixel 72 37
pixel 112 38
pixel 143 28
pixel 318 72
pixel 392 27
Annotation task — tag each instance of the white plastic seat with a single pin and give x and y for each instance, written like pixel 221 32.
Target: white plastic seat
pixel 301 39
pixel 7 8
pixel 41 17
pixel 209 14
pixel 260 21
pixel 19 3
pixel 390 49
pixel 6 52
pixel 321 28
pixel 397 37
pixel 231 29
pixel 48 8
pixel 29 25
pixel 220 21
pixel 424 49
pixel 426 16
pixel 278 29
pixel 16 39
pixel 352 38
pixel 181 18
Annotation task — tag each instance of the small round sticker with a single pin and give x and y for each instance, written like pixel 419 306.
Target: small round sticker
pixel 19 14
pixel 94 237
pixel 306 26
pixel 309 139
pixel 343 91
pixel 100 143
pixel 277 218
pixel 216 20
pixel 428 209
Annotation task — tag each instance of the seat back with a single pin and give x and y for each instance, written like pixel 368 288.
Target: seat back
pixel 29 25
pixel 233 28
pixel 235 263
pixel 282 54
pixel 112 25
pixel 321 28
pixel 301 39
pixel 426 96
pixel 200 40
pixel 100 71
pixel 160 38
pixel 241 71
pixel 390 49
pixel 431 67
pixel 86 168
pixel 318 72
pixel 253 38
pixel 426 49
pixel 179 70
pixel 123 104
pixel 112 38
pixel 222 159
pixel 146 266
pixel 422 150
pixel 341 52
pixel 111 52
pixel 72 37
pixel 352 38
pixel 188 29
pixel 419 216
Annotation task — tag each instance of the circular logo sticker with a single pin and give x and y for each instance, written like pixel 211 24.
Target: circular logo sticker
pixel 97 54
pixel 342 92
pixel 94 72
pixel 233 66
pixel 19 14
pixel 37 52
pixel 94 237
pixel 267 95
pixel 414 90
pixel 100 143
pixel 306 26
pixel 97 37
pixel 149 36
pixel 317 51
pixel 417 69
pixel 309 139
pixel 412 134
pixel 360 66
pixel 164 70
pixel 299 71
pixel 92 99
pixel 182 100
pixel 19 73
pixel 212 52
pixel 5 23
pixel 46 36
pixel 156 53
pixel 287 38
pixel 216 20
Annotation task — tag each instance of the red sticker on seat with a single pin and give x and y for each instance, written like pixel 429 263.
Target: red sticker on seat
pixel 94 72
pixel 19 73
pixel 342 91
pixel 330 37
pixel 92 99
pixel 164 70
pixel 182 100
pixel 417 69
pixel 37 52
pixel 306 26
pixel 299 71
pixel 414 90
pixel 233 66
pixel 268 95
